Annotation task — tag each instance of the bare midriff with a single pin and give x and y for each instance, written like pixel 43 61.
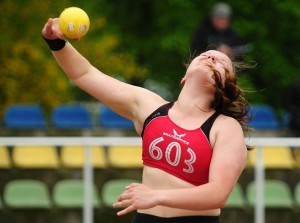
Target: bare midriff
pixel 155 178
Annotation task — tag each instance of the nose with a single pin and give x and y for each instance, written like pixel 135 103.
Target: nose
pixel 213 59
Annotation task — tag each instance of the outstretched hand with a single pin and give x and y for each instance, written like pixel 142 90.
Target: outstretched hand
pixel 51 30
pixel 136 196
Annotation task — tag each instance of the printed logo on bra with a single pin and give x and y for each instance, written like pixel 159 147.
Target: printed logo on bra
pixel 177 136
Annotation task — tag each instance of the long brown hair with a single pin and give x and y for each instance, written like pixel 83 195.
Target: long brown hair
pixel 230 99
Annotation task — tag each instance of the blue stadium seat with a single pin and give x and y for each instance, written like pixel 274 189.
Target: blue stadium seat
pixel 263 118
pixel 110 119
pixel 71 116
pixel 285 119
pixel 24 116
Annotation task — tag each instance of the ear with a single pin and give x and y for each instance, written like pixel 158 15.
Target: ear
pixel 182 81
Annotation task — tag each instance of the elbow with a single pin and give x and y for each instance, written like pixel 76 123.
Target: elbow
pixel 76 76
pixel 219 202
pixel 220 195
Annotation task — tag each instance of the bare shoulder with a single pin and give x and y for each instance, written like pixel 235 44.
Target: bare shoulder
pixel 227 131
pixel 224 122
pixel 147 102
pixel 147 99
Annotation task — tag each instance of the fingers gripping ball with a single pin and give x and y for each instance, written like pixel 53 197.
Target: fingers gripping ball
pixel 74 22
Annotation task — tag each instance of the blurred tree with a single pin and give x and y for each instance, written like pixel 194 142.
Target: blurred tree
pixel 28 72
pixel 144 39
pixel 159 33
pixel 271 27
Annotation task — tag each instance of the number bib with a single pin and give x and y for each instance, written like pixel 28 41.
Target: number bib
pixel 183 153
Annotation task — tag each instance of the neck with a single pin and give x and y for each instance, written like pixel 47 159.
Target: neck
pixel 198 100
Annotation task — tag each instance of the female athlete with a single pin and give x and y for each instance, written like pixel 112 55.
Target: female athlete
pixel 193 148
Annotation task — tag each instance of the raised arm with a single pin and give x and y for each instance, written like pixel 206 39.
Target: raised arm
pixel 123 98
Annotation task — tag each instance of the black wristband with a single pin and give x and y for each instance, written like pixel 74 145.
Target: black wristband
pixel 55 44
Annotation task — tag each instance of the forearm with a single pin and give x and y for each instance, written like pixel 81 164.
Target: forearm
pixel 72 62
pixel 204 197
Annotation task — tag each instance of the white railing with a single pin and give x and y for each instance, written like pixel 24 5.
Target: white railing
pixel 109 141
pixel 87 142
pixel 259 173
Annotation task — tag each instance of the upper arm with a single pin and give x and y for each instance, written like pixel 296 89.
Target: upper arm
pixel 229 153
pixel 127 100
pixel 132 102
pixel 110 91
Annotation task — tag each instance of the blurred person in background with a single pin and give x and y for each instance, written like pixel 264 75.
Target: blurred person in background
pixel 293 107
pixel 216 32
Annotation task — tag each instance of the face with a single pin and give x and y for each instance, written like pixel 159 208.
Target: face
pixel 208 61
pixel 220 23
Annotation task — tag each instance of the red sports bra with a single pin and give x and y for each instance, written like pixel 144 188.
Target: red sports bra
pixel 183 153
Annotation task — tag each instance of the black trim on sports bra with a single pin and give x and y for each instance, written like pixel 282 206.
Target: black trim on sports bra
pixel 163 111
pixel 206 126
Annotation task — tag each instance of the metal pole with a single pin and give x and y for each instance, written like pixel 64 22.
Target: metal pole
pixel 259 214
pixel 88 186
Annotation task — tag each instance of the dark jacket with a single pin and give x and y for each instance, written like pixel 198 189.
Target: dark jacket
pixel 293 104
pixel 207 37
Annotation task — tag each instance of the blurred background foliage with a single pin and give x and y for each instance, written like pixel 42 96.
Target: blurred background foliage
pixel 145 43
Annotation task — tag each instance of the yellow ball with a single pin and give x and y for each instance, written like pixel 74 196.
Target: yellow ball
pixel 74 22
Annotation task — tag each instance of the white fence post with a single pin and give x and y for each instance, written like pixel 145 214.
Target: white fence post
pixel 259 214
pixel 88 208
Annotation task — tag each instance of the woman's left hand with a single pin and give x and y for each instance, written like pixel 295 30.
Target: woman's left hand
pixel 136 196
